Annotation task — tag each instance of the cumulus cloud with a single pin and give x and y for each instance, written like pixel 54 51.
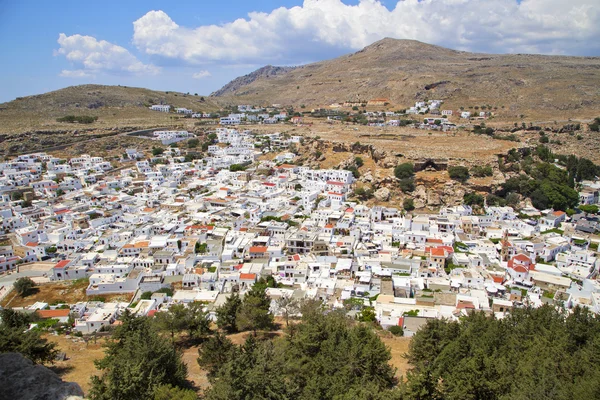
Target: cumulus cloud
pixel 319 27
pixel 201 74
pixel 77 73
pixel 91 56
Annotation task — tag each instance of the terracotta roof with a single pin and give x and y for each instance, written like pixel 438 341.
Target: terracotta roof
pixel 62 264
pixel 31 244
pixel 258 249
pixel 437 252
pixel 522 258
pixel 141 244
pixel 328 226
pixel 248 277
pixel 559 213
pixel 269 184
pixel 286 166
pixel 53 313
pixel 335 183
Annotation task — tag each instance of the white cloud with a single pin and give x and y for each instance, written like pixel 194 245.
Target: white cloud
pixel 313 30
pixel 91 56
pixel 201 74
pixel 77 73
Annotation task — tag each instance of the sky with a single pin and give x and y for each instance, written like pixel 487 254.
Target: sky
pixel 198 46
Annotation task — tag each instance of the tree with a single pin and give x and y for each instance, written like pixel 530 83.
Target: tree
pixel 227 313
pixel 405 170
pixel 157 151
pixel 15 337
pixel 236 167
pixel 214 353
pixel 458 173
pixel 137 363
pixel 407 185
pixel 326 356
pixel 168 392
pixel 254 312
pixel 358 161
pixel 24 286
pixel 530 354
pixel 408 204
pixel 288 306
pixel 193 143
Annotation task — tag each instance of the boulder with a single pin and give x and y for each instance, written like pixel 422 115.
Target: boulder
pixel 382 194
pixel 21 379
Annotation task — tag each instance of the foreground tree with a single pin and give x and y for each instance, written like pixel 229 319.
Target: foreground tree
pixel 14 337
pixel 137 361
pixel 254 313
pixel 530 354
pixel 227 313
pixel 323 357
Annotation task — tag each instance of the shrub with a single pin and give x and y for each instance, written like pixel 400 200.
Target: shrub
pixel 396 330
pixel 81 119
pixel 403 171
pixel 458 173
pixel 408 204
pixel 407 185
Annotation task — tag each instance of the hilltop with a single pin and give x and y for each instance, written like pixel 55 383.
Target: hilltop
pixel 404 71
pixel 114 105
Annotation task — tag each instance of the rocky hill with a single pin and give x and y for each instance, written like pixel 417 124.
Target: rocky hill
pixel 264 73
pixel 114 105
pixel 406 70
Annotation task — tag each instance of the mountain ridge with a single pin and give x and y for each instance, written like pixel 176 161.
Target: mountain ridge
pixel 406 70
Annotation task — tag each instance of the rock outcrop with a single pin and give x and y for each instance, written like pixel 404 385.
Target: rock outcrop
pixel 21 379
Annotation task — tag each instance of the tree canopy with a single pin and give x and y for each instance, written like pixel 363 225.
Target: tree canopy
pixel 15 337
pixel 530 354
pixel 323 357
pixel 137 362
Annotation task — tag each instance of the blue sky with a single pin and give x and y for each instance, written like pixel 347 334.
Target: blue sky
pixel 197 46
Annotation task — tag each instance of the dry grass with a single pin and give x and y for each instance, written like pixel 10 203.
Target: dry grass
pixel 68 292
pixel 79 365
pixel 398 347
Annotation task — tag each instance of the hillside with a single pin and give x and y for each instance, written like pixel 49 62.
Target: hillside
pixel 115 106
pixel 405 70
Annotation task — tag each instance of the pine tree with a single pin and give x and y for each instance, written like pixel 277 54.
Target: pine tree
pixel 227 313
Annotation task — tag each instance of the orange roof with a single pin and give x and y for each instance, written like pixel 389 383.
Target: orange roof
pixel 141 244
pixel 435 241
pixel 248 277
pixel 435 252
pixel 521 257
pixel 328 226
pixel 258 249
pixel 31 244
pixel 62 264
pixel 128 246
pixel 286 166
pixel 559 213
pixel 148 210
pixel 334 194
pixel 53 313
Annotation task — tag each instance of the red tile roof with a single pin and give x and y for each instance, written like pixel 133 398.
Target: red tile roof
pixel 53 313
pixel 62 264
pixel 248 277
pixel 258 249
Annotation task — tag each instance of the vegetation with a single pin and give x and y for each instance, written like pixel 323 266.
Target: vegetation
pixel 396 330
pixel 80 119
pixel 236 167
pixel 15 337
pixel 157 151
pixel 24 286
pixel 481 171
pixel 138 362
pixel 404 171
pixel 530 354
pixel 254 314
pixel 408 204
pixel 458 173
pixel 323 357
pixel 473 199
pixel 364 193
pixel 227 313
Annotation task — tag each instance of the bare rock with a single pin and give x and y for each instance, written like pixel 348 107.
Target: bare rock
pixel 382 194
pixel 21 379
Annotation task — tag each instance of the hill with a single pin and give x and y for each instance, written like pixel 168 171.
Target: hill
pixel 404 71
pixel 114 105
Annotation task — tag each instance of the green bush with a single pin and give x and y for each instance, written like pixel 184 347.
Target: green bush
pixel 404 171
pixel 81 119
pixel 458 173
pixel 396 330
pixel 408 204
